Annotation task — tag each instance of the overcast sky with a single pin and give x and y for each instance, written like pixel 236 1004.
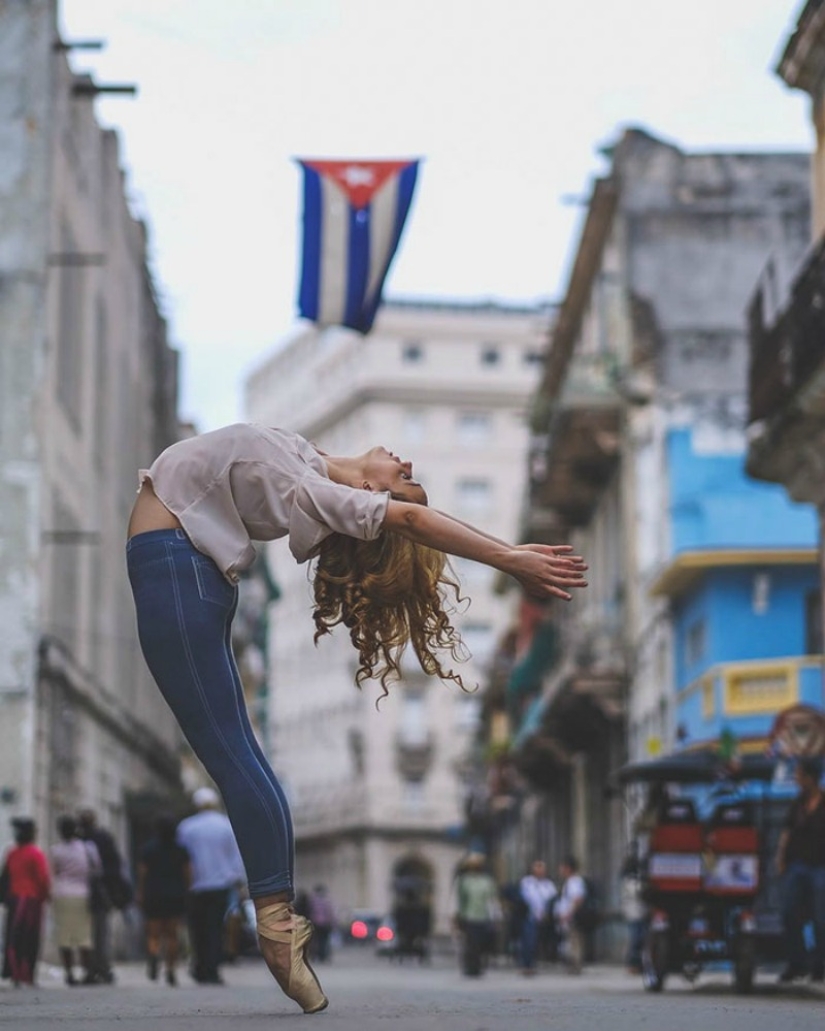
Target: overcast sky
pixel 508 101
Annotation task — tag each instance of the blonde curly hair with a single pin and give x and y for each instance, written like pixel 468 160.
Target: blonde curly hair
pixel 389 592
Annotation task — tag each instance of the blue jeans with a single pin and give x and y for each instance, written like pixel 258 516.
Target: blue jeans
pixel 529 942
pixel 635 942
pixel 803 900
pixel 185 608
pixel 207 910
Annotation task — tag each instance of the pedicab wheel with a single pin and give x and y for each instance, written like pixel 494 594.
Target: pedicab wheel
pixel 744 965
pixel 654 961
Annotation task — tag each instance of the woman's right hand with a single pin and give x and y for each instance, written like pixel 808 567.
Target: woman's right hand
pixel 547 570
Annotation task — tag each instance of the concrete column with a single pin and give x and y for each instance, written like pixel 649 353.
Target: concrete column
pixel 818 169
pixel 820 508
pixel 578 787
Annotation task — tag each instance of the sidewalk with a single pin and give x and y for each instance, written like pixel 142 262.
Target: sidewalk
pixel 355 964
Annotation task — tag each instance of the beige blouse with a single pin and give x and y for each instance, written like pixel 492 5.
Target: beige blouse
pixel 247 482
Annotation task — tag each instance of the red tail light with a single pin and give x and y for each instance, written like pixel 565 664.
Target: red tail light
pixel 384 934
pixel 358 929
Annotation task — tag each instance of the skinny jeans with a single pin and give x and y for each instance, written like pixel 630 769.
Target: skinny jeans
pixel 803 900
pixel 185 608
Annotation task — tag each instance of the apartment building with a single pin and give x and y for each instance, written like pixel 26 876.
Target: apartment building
pixel 694 619
pixel 88 393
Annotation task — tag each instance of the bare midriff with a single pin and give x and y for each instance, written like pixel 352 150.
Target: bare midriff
pixel 150 513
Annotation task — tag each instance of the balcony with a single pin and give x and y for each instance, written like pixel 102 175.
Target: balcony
pixel 787 383
pixel 414 757
pixel 744 697
pixel 786 356
pixel 583 697
pixel 576 446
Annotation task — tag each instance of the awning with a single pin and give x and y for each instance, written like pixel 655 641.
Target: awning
pixel 528 673
pixel 699 767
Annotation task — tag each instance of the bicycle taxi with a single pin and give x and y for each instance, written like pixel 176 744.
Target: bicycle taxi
pixel 706 834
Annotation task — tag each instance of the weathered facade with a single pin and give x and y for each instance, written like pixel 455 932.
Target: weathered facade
pixel 88 393
pixel 379 794
pixel 786 429
pixel 649 349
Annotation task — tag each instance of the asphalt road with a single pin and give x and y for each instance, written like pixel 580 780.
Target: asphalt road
pixel 370 994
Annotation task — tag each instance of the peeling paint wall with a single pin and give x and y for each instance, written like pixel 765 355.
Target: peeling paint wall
pixel 699 230
pixel 25 88
pixel 88 389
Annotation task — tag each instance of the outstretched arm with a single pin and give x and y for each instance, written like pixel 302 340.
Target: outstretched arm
pixel 543 570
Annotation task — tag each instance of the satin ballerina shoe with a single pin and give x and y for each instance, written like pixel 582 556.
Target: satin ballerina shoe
pixel 301 985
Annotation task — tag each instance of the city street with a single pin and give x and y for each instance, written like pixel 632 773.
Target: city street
pixel 368 994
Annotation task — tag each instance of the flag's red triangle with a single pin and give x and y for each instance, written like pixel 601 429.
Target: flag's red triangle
pixel 360 180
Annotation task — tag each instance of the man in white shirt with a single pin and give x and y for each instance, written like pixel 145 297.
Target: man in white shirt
pixel 571 898
pixel 537 892
pixel 216 868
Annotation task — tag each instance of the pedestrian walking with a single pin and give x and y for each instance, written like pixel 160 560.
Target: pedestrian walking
pixel 537 892
pixel 322 915
pixel 412 916
pixel 26 888
pixel 800 861
pixel 164 877
pixel 634 909
pixel 514 915
pixel 75 863
pixel 477 907
pixel 381 572
pixel 571 900
pixel 110 889
pixel 216 868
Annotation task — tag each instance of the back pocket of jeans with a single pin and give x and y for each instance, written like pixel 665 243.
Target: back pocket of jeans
pixel 212 585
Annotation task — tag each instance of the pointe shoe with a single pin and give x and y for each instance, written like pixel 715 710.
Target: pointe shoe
pixel 302 985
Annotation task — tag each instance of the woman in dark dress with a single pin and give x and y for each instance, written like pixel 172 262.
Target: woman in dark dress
pixel 163 881
pixel 28 890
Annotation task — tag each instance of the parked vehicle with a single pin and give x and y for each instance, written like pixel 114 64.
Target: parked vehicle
pixel 707 841
pixel 367 927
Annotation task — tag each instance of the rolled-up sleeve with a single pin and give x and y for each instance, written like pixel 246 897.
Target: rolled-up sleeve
pixel 322 507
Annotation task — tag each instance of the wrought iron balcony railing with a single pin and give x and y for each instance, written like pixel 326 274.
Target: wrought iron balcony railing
pixel 786 353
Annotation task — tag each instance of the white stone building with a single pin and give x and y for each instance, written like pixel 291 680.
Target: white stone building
pixel 88 390
pixel 378 794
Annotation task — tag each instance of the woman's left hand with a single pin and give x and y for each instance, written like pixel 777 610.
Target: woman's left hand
pixel 547 570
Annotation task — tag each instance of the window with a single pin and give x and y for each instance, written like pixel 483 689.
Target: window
pixel 531 357
pixel 413 795
pixel 474 496
pixel 760 688
pixel 413 426
pixel 813 623
pixel 467 711
pixel 412 352
pixel 70 340
pixel 708 697
pixel 490 354
pixel 474 428
pixel 413 729
pixel 101 437
pixel 761 594
pixel 472 574
pixel 695 642
pixel 65 586
pixel 478 637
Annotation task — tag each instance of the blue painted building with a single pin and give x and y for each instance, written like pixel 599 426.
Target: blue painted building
pixel 743 584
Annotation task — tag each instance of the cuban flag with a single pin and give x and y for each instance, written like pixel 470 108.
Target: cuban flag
pixel 354 213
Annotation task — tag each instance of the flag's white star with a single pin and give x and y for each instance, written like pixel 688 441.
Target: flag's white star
pixel 357 175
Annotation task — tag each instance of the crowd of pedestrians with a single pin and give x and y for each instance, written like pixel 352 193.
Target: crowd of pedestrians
pixel 534 919
pixel 188 869
pixel 190 875
pixel 82 878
